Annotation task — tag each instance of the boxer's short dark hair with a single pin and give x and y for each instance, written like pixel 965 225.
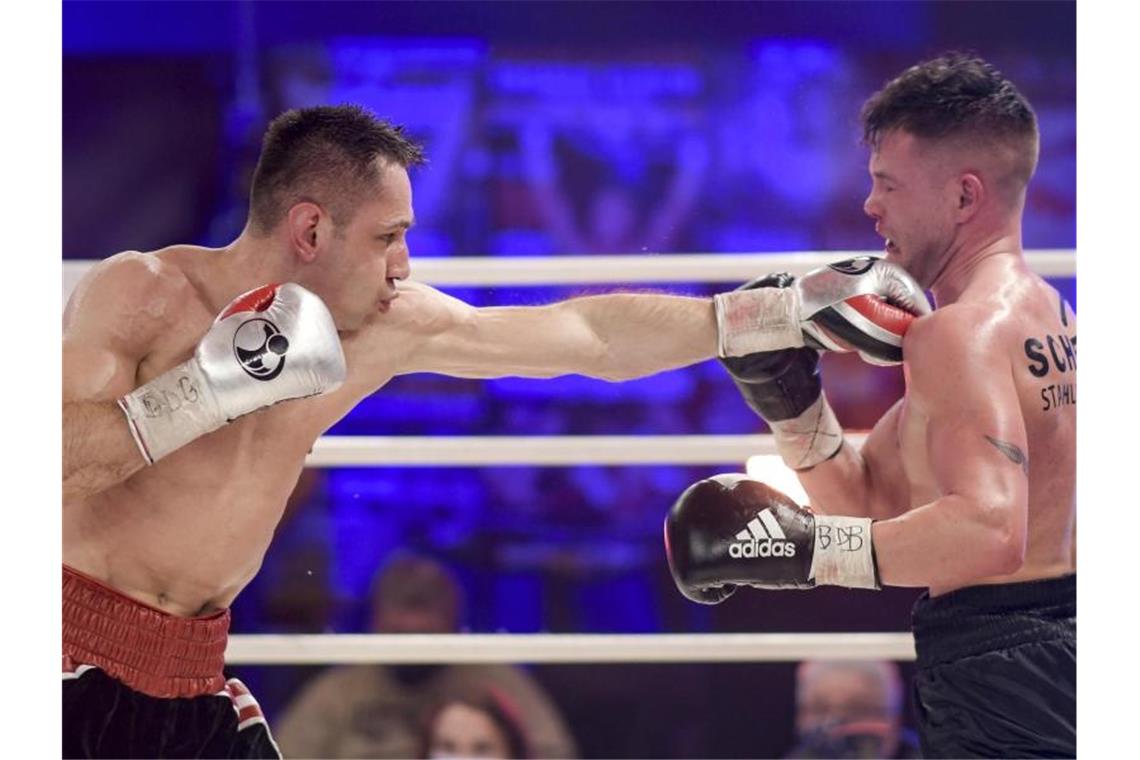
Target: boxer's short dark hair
pixel 954 96
pixel 324 154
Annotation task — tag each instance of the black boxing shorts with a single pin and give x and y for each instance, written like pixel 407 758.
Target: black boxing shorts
pixel 138 682
pixel 997 670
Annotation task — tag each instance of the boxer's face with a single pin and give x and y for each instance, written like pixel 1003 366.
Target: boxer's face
pixel 913 204
pixel 365 257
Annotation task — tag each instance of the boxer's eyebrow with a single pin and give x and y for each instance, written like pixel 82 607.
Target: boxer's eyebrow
pixel 1012 452
pixel 405 223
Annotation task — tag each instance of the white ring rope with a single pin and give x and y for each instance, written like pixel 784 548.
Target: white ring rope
pixel 343 649
pixel 629 269
pixel 549 451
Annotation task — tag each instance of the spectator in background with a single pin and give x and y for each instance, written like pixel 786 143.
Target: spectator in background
pixel 377 711
pixel 478 724
pixel 850 710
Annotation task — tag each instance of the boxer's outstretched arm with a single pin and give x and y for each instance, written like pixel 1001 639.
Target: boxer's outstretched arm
pixel 961 381
pixel 616 336
pixel 109 324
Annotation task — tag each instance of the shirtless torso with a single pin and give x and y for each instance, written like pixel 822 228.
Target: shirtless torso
pixel 188 533
pixel 972 474
pixel 1021 327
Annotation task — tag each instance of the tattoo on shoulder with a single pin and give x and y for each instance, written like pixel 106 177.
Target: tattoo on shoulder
pixel 1013 453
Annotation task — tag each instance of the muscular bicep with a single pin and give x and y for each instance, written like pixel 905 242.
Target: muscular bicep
pixel 110 324
pixel 981 453
pixel 93 372
pixel 975 434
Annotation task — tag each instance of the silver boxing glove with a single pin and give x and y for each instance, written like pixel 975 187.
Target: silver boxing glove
pixel 862 304
pixel 274 343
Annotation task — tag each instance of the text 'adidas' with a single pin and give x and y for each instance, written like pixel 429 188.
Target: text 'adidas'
pixel 762 537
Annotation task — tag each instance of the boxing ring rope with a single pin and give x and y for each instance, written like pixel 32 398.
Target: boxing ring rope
pixel 630 269
pixel 549 451
pixel 344 649
pixel 477 451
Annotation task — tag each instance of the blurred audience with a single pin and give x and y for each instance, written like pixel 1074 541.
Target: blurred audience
pixel 850 709
pixel 377 711
pixel 477 724
pixel 624 211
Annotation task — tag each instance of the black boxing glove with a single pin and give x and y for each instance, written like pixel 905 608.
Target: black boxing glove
pixel 784 388
pixel 729 530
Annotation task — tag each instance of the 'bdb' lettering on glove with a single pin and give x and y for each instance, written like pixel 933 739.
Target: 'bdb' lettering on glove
pixel 729 530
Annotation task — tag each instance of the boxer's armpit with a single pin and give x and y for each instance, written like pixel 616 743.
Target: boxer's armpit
pixel 1012 452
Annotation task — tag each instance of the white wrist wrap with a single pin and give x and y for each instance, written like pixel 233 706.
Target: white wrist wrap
pixel 809 439
pixel 761 319
pixel 171 410
pixel 843 553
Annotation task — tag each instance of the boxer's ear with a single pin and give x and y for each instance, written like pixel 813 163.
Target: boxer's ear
pixel 971 193
pixel 307 224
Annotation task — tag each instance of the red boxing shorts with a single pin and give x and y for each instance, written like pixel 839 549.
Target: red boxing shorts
pixel 138 682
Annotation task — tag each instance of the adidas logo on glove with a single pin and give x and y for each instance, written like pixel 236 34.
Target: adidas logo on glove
pixel 762 537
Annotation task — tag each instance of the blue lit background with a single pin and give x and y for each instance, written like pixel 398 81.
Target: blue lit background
pixel 551 129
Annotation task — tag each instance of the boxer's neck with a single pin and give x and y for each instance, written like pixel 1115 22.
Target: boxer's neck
pixel 969 266
pixel 991 234
pixel 247 263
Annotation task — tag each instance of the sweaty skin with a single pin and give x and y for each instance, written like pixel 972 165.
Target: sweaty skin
pixel 972 475
pixel 188 533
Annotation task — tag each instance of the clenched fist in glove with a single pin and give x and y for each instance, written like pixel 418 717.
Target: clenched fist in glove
pixel 728 531
pixel 273 343
pixel 863 304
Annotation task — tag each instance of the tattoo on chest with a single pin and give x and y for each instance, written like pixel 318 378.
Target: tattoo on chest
pixel 1054 357
pixel 1013 453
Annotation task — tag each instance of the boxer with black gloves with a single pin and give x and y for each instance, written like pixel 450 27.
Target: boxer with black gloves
pixel 966 487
